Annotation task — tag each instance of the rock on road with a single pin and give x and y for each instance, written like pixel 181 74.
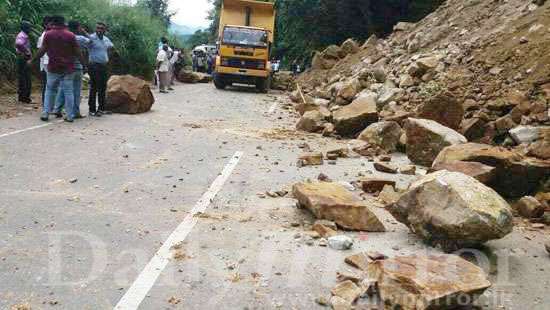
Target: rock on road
pixel 85 206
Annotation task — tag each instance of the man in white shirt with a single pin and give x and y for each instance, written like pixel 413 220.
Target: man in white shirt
pixel 173 60
pixel 163 68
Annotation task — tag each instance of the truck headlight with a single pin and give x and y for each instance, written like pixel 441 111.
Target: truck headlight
pixel 261 65
pixel 225 62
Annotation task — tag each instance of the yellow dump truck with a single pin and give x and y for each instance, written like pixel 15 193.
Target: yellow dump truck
pixel 244 45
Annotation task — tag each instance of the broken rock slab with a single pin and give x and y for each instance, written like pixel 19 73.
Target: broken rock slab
pixel 516 174
pixel 453 210
pixel 426 139
pixel 128 95
pixel 427 282
pixel 386 168
pixel 353 118
pixel 483 173
pixel 332 201
pixel 359 261
pixel 347 290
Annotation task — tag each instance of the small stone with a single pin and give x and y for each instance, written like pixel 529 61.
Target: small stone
pixel 311 159
pixel 523 40
pixel 323 178
pixel 529 207
pixel 375 185
pixel 73 180
pixel 340 242
pixel 408 170
pixel 323 242
pixel 322 301
pixel 376 256
pixel 386 168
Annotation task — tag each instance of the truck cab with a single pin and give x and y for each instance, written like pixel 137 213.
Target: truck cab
pixel 245 40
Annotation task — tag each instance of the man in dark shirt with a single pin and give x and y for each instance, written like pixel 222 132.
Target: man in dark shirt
pixel 23 51
pixel 62 49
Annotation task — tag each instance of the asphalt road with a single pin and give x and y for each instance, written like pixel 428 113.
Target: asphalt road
pixel 101 213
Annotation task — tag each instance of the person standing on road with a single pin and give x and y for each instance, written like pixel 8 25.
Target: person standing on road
pixel 83 41
pixel 23 51
pixel 98 49
pixel 163 68
pixel 173 60
pixel 62 49
pixel 44 59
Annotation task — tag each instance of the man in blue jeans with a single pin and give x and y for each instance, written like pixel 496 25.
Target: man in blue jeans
pixel 62 49
pixel 82 41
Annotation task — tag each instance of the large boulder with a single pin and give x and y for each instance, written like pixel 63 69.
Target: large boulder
pixel 353 118
pixel 453 210
pixel 427 282
pixel 426 138
pixel 383 134
pixel 516 175
pixel 129 95
pixel 191 77
pixel 333 202
pixel 444 109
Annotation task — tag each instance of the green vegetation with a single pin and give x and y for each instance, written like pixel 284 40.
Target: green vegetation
pixel 134 29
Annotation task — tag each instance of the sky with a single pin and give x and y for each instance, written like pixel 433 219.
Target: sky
pixel 190 12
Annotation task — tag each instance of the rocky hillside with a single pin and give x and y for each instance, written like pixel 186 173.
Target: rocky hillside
pixel 479 69
pixel 489 56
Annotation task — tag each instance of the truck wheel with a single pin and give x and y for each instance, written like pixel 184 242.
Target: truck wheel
pixel 219 82
pixel 262 85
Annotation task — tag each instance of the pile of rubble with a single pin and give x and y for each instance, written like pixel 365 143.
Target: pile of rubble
pixel 465 93
pixel 478 68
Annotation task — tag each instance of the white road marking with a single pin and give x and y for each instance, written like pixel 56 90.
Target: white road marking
pixel 27 129
pixel 147 278
pixel 273 107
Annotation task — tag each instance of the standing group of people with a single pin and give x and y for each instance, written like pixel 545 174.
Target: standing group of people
pixel 169 62
pixel 204 59
pixel 61 50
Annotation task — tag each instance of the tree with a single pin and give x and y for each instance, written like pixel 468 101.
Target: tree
pixel 198 38
pixel 159 9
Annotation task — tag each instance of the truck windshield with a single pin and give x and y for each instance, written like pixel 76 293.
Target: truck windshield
pixel 244 36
